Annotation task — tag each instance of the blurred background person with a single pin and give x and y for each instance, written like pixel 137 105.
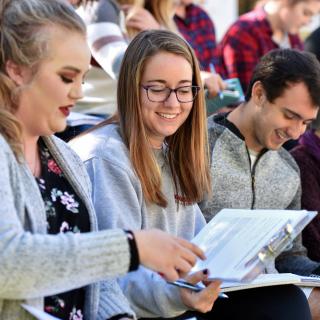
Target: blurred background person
pixel 195 25
pixel 274 24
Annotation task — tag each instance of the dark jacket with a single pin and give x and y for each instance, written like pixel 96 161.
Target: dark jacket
pixel 307 155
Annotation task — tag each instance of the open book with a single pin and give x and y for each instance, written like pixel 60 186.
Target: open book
pixel 266 280
pixel 239 242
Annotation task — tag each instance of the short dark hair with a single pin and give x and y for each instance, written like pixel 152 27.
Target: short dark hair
pixel 280 68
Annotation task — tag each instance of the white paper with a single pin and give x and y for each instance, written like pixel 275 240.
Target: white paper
pixel 265 280
pixel 38 314
pixel 233 238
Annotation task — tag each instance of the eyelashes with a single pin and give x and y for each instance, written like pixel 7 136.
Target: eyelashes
pixel 66 79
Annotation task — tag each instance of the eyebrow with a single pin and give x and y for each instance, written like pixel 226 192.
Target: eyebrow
pixel 164 82
pixel 74 69
pixel 70 68
pixel 297 115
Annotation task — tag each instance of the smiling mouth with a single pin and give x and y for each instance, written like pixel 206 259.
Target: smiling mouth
pixel 65 110
pixel 167 115
pixel 282 135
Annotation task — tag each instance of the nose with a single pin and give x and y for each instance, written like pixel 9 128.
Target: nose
pixel 297 130
pixel 76 92
pixel 172 100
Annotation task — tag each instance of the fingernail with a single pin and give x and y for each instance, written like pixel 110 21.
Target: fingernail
pixel 205 271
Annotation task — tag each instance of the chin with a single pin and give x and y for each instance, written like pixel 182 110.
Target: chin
pixel 59 128
pixel 274 147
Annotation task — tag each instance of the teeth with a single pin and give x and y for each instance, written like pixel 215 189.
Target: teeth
pixel 167 115
pixel 282 136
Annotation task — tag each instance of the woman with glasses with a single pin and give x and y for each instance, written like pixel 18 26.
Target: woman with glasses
pixel 149 162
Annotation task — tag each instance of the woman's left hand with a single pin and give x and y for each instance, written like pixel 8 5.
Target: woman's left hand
pixel 200 301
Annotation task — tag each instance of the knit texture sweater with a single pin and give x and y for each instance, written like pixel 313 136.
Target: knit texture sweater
pixel 272 183
pixel 34 264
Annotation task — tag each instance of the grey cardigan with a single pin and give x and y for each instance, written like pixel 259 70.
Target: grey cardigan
pixel 34 264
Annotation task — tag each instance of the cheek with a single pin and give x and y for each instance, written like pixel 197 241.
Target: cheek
pixel 53 89
pixel 147 106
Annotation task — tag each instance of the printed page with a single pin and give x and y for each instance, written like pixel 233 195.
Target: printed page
pixel 233 239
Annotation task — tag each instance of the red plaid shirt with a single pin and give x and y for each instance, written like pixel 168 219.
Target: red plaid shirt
pixel 198 29
pixel 247 40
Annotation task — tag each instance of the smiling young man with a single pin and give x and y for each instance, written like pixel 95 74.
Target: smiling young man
pixel 250 169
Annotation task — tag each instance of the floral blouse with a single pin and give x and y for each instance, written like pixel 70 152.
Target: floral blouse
pixel 65 213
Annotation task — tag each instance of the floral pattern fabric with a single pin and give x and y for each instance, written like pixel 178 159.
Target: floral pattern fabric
pixel 65 213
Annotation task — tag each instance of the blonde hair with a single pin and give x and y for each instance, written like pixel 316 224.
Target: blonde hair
pixel 24 40
pixel 161 10
pixel 188 153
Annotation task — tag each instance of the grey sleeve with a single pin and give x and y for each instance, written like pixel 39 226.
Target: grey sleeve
pixel 151 296
pixel 36 265
pixel 295 260
pixel 296 201
pixel 112 301
pixel 118 199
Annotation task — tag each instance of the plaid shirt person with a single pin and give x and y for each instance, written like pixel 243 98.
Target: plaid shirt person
pixel 246 41
pixel 198 29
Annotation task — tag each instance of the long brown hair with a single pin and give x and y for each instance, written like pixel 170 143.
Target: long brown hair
pixel 24 41
pixel 187 147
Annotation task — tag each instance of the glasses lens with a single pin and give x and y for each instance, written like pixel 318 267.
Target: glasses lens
pixel 161 93
pixel 158 93
pixel 186 94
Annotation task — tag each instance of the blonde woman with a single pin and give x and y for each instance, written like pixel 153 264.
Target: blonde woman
pixel 50 250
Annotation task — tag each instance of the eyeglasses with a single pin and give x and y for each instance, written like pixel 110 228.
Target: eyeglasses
pixel 161 93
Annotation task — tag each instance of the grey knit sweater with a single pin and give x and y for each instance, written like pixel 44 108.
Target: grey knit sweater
pixel 116 186
pixel 33 264
pixel 273 183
